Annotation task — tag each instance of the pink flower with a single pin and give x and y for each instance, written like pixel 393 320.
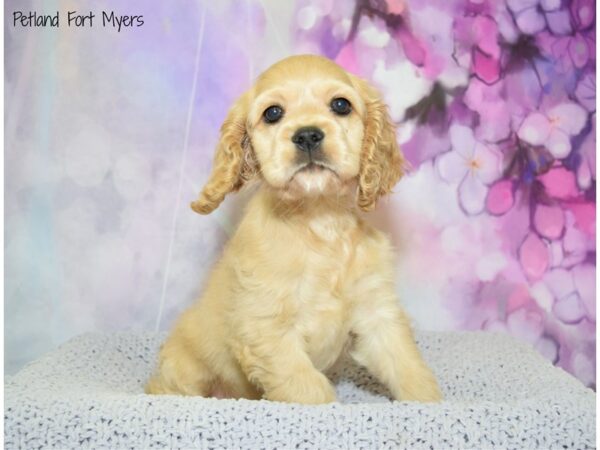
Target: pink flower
pixel 554 128
pixel 584 215
pixel 395 6
pixel 473 164
pixel 477 42
pixel 560 183
pixel 501 197
pixel 534 257
pixel 413 48
pixel 347 59
pixel 549 221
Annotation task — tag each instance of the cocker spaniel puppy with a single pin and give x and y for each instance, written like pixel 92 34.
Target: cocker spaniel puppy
pixel 304 278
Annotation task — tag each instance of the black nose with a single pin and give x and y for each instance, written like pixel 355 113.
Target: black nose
pixel 307 138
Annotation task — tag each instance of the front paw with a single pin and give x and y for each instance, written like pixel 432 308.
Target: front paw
pixel 420 386
pixel 309 388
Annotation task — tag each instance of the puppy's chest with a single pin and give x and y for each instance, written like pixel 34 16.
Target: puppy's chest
pixel 326 258
pixel 322 310
pixel 322 320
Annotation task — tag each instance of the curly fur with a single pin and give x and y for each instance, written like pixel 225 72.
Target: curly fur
pixel 304 279
pixel 234 161
pixel 381 163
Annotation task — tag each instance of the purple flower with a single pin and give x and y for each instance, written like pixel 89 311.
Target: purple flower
pixel 433 26
pixel 585 92
pixel 586 171
pixel 583 13
pixel 574 47
pixel 474 164
pixel 532 16
pixel 554 128
pixel 585 282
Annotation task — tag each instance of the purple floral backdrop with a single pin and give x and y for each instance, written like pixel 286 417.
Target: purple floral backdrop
pixel 496 106
pixel 110 134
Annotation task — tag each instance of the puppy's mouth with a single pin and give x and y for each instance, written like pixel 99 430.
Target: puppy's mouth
pixel 313 178
pixel 314 167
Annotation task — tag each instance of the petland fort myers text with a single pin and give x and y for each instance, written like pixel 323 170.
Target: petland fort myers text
pixel 76 19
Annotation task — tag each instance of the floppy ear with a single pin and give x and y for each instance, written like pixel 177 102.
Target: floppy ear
pixel 381 162
pixel 234 162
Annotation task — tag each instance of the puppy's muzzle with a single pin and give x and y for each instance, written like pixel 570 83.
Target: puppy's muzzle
pixel 308 139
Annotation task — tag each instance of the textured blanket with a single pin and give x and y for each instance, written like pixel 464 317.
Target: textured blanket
pixel 499 393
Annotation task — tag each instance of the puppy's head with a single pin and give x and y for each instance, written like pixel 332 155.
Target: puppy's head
pixel 306 128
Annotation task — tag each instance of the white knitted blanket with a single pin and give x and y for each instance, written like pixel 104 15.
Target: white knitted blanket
pixel 499 393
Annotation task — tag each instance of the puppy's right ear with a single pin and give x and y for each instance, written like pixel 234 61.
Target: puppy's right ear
pixel 234 162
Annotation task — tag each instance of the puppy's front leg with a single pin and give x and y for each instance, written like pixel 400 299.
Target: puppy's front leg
pixel 278 364
pixel 385 346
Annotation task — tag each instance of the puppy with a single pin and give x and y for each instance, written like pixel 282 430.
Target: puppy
pixel 304 277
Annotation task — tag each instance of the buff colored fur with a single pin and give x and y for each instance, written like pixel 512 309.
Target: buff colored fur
pixel 303 279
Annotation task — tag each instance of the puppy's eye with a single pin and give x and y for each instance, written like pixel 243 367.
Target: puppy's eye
pixel 341 106
pixel 273 114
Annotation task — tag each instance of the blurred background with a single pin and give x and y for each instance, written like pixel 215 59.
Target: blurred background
pixel 109 135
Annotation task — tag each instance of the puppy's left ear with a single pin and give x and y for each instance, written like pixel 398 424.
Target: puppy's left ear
pixel 381 162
